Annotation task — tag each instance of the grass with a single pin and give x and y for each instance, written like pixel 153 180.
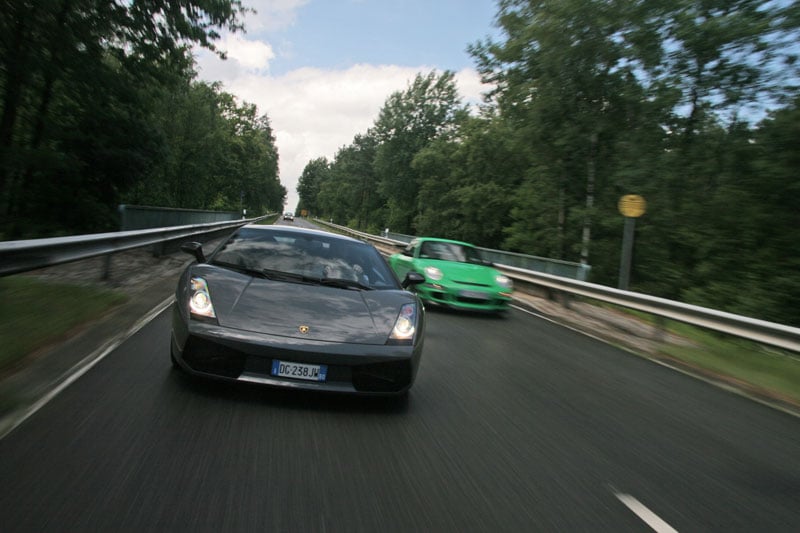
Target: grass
pixel 269 220
pixel 769 369
pixel 35 313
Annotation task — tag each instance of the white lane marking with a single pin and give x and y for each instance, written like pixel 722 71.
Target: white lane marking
pixel 82 367
pixel 645 514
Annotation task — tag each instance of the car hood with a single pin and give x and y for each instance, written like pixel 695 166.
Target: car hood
pixel 301 311
pixel 465 272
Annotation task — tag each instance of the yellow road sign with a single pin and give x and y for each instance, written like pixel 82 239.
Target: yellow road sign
pixel 632 205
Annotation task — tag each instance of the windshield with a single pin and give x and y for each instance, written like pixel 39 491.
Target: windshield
pixel 450 251
pixel 305 258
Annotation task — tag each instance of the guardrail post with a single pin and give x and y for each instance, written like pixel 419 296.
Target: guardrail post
pixel 158 249
pixel 566 299
pixel 555 295
pixel 106 275
pixel 659 328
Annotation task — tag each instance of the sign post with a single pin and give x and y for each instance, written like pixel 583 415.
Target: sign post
pixel 632 206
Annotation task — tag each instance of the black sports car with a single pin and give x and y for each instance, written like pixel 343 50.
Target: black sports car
pixel 298 308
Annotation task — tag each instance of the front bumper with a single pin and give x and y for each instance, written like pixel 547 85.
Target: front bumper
pixel 212 351
pixel 478 299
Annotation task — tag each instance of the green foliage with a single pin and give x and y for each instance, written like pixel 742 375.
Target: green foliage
pixel 593 100
pixel 406 124
pixel 99 107
pixel 310 183
pixel 469 182
pixel 348 191
pixel 221 156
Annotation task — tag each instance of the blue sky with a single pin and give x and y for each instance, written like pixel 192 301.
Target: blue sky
pixel 337 34
pixel 322 69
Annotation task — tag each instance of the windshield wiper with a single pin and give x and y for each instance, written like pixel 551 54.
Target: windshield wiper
pixel 280 275
pixel 243 269
pixel 266 273
pixel 344 284
pixel 293 277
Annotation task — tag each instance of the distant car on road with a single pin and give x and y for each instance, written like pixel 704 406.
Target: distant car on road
pixel 288 215
pixel 298 308
pixel 455 275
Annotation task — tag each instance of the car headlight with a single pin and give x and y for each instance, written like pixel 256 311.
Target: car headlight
pixel 504 281
pixel 200 299
pixel 404 326
pixel 433 273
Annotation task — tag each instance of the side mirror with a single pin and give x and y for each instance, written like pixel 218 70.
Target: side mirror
pixel 413 278
pixel 407 253
pixel 195 249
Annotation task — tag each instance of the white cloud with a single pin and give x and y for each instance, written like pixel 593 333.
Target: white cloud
pixel 249 55
pixel 470 86
pixel 272 14
pixel 314 112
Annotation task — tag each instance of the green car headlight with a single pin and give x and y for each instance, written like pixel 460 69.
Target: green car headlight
pixel 200 299
pixel 504 281
pixel 433 273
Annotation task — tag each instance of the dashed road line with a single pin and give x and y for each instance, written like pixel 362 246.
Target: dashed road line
pixel 645 514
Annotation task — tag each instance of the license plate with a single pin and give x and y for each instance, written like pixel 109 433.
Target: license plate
pixel 286 369
pixel 475 295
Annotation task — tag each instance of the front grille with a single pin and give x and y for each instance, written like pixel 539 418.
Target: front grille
pixel 219 360
pixel 212 358
pixel 473 301
pixel 382 377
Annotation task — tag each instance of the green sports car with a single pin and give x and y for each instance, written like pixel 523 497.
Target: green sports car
pixel 455 274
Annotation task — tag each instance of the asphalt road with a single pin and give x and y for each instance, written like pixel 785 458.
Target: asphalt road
pixel 514 424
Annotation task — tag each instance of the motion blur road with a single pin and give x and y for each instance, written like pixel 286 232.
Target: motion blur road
pixel 514 424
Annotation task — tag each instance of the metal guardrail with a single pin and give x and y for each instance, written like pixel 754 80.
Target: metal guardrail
pixel 21 256
pixel 133 217
pixel 779 335
pixel 770 333
pixel 25 255
pixel 398 236
pixel 566 269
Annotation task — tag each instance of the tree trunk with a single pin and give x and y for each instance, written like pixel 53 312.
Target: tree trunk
pixel 562 216
pixel 587 219
pixel 16 75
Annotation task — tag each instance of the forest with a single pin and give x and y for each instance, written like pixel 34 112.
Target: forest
pixel 692 104
pixel 101 106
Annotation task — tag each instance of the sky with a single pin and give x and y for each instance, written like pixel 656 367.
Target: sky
pixel 321 70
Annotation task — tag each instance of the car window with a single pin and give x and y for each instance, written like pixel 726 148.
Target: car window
pixel 307 255
pixel 449 251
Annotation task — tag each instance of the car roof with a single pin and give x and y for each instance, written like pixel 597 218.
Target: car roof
pixel 437 239
pixel 300 231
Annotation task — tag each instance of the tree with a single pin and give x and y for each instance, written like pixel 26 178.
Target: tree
pixel 407 122
pixel 308 186
pixel 469 181
pixel 71 67
pixel 220 155
pixel 566 79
